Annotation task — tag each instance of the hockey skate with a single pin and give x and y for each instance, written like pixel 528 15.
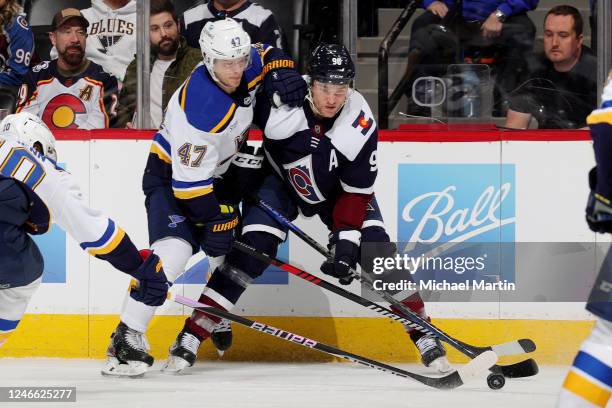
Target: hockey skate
pixel 127 354
pixel 222 336
pixel 432 352
pixel 183 353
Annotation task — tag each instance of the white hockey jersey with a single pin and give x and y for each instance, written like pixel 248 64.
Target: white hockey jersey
pixel 62 197
pixel 84 101
pixel 203 129
pixel 111 40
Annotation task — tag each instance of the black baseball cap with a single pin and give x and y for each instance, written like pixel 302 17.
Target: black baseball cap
pixel 66 14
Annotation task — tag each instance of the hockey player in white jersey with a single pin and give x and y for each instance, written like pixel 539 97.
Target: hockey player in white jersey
pixel 205 125
pixel 34 192
pixel 589 381
pixel 323 157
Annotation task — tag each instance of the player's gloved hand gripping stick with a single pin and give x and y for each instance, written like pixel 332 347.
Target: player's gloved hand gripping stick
pixel 524 368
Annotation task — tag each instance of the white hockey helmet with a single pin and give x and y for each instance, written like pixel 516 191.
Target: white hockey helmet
pixel 223 40
pixel 29 129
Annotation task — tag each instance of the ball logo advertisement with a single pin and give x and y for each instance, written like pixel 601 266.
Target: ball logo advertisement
pixel 456 225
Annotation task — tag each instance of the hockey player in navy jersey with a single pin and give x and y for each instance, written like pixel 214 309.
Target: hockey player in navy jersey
pixel 323 157
pixel 33 193
pixel 187 182
pixel 589 381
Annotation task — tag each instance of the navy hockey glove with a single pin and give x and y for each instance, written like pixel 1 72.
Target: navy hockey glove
pixel 153 285
pixel 288 84
pixel 218 233
pixel 599 208
pixel 345 259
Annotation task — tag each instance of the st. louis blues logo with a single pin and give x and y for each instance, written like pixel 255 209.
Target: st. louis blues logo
pixel 175 219
pixel 301 177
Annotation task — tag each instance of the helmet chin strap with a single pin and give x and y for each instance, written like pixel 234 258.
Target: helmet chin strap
pixel 313 107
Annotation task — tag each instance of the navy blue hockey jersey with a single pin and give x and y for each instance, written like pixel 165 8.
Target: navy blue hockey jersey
pixel 322 159
pixel 16 51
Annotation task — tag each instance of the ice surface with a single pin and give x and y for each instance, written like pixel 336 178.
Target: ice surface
pixel 237 385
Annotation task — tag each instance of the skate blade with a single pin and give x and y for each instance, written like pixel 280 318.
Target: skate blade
pixel 175 365
pixel 442 365
pixel 133 369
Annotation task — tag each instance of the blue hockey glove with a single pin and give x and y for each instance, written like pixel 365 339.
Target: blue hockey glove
pixel 153 285
pixel 345 259
pixel 218 233
pixel 288 84
pixel 599 208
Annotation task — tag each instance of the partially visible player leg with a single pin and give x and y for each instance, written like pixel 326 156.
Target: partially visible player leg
pixel 430 348
pixel 172 239
pixel 13 304
pixel 223 290
pixel 128 351
pixel 230 280
pixel 221 335
pixel 589 382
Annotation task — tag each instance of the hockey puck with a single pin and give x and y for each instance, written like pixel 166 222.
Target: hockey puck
pixel 496 381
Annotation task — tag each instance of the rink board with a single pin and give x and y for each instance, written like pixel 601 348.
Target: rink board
pixel 76 308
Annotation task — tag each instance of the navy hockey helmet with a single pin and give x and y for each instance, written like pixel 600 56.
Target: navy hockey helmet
pixel 332 64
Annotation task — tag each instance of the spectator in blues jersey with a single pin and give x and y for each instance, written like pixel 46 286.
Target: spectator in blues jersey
pixel 259 23
pixel 561 90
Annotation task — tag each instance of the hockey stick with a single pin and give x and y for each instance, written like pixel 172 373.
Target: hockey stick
pixel 524 368
pixel 470 371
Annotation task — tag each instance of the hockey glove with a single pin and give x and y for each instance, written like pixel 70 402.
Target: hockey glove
pixel 288 84
pixel 218 233
pixel 153 285
pixel 345 254
pixel 599 208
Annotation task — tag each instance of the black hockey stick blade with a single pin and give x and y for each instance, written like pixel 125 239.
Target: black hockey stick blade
pixel 526 368
pixel 475 368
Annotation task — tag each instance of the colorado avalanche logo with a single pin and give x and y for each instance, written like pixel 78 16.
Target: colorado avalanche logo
pixel 61 111
pixel 301 177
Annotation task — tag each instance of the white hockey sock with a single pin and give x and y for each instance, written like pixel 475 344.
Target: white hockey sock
pixel 174 254
pixel 136 315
